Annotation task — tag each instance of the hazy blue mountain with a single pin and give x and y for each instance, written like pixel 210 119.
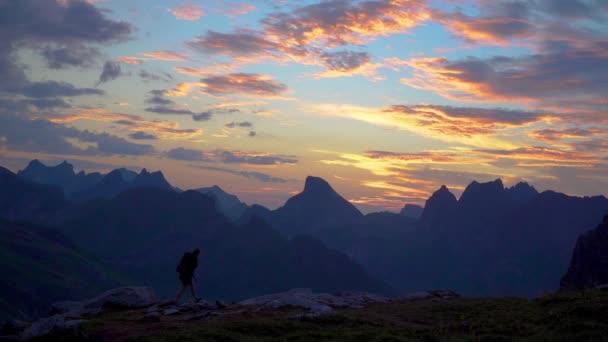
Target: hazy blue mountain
pixel 62 175
pixel 23 200
pixel 317 205
pixel 491 241
pixel 144 231
pixel 120 180
pixel 412 211
pixel 589 263
pixel 40 266
pixel 227 204
pixel 154 179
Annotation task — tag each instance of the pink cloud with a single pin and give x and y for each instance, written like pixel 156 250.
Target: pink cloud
pixel 187 11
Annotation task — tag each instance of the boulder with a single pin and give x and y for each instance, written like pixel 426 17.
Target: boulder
pixel 316 303
pixel 124 297
pixel 57 323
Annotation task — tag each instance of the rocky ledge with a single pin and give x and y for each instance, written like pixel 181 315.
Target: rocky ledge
pixel 68 316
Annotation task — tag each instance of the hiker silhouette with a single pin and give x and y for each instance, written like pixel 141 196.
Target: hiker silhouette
pixel 186 268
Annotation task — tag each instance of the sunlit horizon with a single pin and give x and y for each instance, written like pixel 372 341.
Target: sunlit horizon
pixel 387 100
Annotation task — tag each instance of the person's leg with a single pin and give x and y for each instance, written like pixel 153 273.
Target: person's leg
pixel 181 291
pixel 193 291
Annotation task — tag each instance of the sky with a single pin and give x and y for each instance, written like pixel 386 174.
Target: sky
pixel 387 100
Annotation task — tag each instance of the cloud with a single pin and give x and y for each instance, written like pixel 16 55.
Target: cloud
pixel 240 43
pixel 550 135
pixel 148 76
pixel 142 136
pixel 111 71
pixel 234 10
pixel 251 84
pixel 302 33
pixel 130 60
pixel 337 22
pixel 465 125
pixel 262 177
pixel 56 89
pixel 244 124
pixel 157 97
pixel 187 11
pixel 253 158
pixel 202 116
pixel 73 55
pixel 577 75
pixel 345 60
pixel 348 63
pixel 181 153
pixel 540 156
pixel 170 56
pixel 33 22
pixel 133 123
pixel 26 104
pixel 496 30
pixel 39 135
pixel 59 30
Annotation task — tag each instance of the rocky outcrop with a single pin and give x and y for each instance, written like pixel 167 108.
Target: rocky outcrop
pixel 124 297
pixel 68 316
pixel 589 265
pixel 316 303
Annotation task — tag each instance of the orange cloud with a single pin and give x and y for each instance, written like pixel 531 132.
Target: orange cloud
pixel 187 11
pixel 170 56
pixel 538 156
pixel 539 81
pixel 470 126
pixel 335 23
pixel 130 60
pixel 249 84
pixel 133 123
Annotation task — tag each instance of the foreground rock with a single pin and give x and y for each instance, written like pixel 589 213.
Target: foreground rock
pixel 142 303
pixel 589 264
pixel 66 316
pixel 316 303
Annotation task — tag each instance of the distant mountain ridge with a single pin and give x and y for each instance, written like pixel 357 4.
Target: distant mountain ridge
pixel 83 186
pixel 228 204
pixel 493 240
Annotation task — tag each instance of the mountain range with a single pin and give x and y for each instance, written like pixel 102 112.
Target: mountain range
pixel 493 240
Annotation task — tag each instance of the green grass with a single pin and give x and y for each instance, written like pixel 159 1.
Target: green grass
pixel 576 316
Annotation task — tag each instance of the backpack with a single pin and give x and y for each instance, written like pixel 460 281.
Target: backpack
pixel 180 267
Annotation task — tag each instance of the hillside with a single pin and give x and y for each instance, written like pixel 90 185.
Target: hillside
pixel 572 316
pixel 40 266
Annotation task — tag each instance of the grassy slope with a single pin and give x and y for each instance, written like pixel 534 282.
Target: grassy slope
pixel 577 316
pixel 39 266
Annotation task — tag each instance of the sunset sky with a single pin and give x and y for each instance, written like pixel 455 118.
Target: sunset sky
pixel 385 99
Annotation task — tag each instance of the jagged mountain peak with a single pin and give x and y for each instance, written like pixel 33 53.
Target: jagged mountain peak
pixel 317 185
pixel 444 194
pixel 476 191
pixel 522 192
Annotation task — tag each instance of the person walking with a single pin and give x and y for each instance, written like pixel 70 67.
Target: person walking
pixel 186 268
